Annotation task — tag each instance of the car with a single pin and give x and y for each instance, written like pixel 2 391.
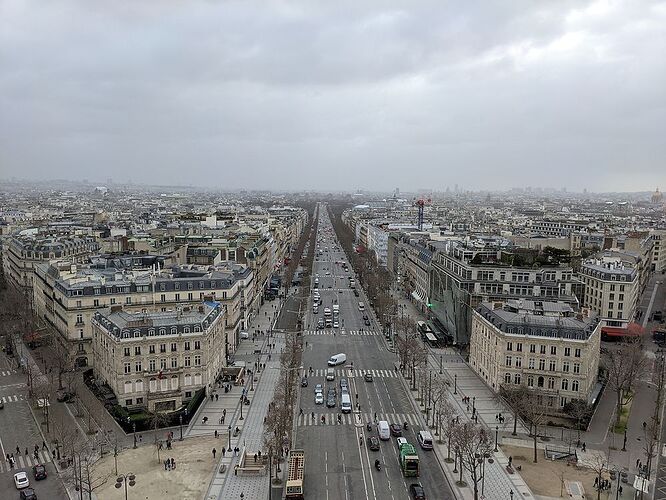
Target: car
pixel 367 377
pixel 304 382
pixel 319 398
pixel 365 316
pixel 21 480
pixel 320 323
pixel 417 491
pixel 331 401
pixel 39 472
pixel 28 494
pixel 64 396
pixel 355 292
pixel 373 443
pixel 344 385
pixel 336 324
pixel 319 388
pixel 328 273
pixel 396 429
pixel 367 322
pixel 400 441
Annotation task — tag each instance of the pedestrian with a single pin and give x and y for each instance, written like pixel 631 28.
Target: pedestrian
pixel 300 411
pixel 224 412
pixel 168 464
pixel 236 470
pixel 584 446
pixel 224 450
pixel 26 452
pixel 173 463
pixel 510 460
pixel 638 463
pixel 36 455
pixel 312 415
pixel 43 445
pixel 620 489
pixel 217 397
pixel 260 454
pixel 496 417
pixel 165 465
pixel 214 452
pixel 215 433
pixel 255 458
pixel 18 450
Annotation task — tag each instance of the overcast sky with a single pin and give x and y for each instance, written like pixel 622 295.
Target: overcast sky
pixel 336 95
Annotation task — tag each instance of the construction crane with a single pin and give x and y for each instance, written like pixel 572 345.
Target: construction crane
pixel 420 203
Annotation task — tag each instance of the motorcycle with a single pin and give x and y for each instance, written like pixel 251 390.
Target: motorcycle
pixel 404 426
pixel 369 427
pixel 378 465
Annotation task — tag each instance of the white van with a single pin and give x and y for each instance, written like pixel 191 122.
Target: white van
pixel 425 440
pixel 337 359
pixel 345 403
pixel 384 431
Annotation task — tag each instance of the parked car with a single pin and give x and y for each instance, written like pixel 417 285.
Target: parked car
pixel 39 471
pixel 367 377
pixel 417 491
pixel 319 398
pixel 304 382
pixel 64 396
pixel 367 322
pixel 365 316
pixel 396 430
pixel 331 401
pixel 21 480
pixel 319 388
pixel 373 443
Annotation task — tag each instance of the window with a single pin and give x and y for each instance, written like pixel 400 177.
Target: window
pixel 612 287
pixel 532 348
pixel 197 344
pixel 508 361
pixel 507 378
pixel 174 362
pixel 137 350
pixel 519 347
pixel 151 349
pixel 163 364
pixel 187 361
pixel 565 366
pixel 162 298
pixel 542 364
pixel 519 361
pixel 126 351
pixel 610 305
pixel 530 381
pixel 128 300
pixel 577 353
pixel 113 301
pixel 128 367
pixel 96 302
pixel 516 378
pixel 173 347
pixel 551 383
pixel 565 384
pixel 78 303
pixel 139 401
pixel 174 383
pixel 128 402
pixel 567 351
pixel 530 363
pixel 197 360
pixel 542 349
pixel 137 367
pixel 574 386
pixel 551 365
pixel 553 350
pixel 151 365
pixel 540 382
pixel 153 385
pixel 509 346
pixel 162 347
pixel 576 368
pixel 177 297
pixel 187 346
pixel 128 387
pixel 79 319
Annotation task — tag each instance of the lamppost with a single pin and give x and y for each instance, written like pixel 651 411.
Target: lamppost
pixel 125 479
pixel 482 461
pixel 473 405
pixel 229 442
pixel 242 402
pixel 455 383
pixel 496 436
pixel 624 443
pixel 511 494
pixel 180 419
pixel 134 431
pixel 440 364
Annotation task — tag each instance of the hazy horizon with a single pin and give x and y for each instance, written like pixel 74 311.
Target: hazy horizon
pixel 336 97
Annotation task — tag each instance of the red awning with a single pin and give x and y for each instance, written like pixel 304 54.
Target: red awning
pixel 632 330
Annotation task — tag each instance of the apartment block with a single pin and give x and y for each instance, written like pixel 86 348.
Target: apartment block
pixel 544 346
pixel 158 360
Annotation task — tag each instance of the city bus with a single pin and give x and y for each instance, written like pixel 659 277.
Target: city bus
pixel 427 334
pixel 409 460
pixel 295 473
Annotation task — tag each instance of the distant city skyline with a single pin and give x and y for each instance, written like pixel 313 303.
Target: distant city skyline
pixel 336 96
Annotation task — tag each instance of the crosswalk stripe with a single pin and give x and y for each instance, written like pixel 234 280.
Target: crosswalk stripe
pixel 348 419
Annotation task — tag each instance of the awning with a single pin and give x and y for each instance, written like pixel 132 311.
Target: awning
pixel 417 296
pixel 632 330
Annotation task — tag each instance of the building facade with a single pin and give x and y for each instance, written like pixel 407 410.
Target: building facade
pixel 543 346
pixel 157 361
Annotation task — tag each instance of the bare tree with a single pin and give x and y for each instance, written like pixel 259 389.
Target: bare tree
pixel 599 463
pixel 474 447
pixel 580 412
pixel 623 367
pixel 516 398
pixel 448 416
pixel 534 412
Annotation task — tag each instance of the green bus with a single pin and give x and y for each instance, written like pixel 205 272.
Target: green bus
pixel 409 460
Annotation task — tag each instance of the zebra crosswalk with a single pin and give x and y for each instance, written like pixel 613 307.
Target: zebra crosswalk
pixel 22 461
pixel 331 418
pixel 329 331
pixel 321 372
pixel 13 398
pixel 6 373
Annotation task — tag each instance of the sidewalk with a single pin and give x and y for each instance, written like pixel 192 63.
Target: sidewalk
pixel 227 484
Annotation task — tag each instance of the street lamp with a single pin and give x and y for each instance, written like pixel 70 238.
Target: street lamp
pixel 511 494
pixel 242 403
pixel 440 364
pixel 134 431
pixel 229 442
pixel 180 418
pixel 624 443
pixel 473 405
pixel 496 436
pixel 125 479
pixel 455 383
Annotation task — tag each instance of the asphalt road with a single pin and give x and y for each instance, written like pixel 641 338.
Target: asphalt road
pixel 18 428
pixel 337 466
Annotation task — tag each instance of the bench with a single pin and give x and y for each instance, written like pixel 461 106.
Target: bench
pixel 223 468
pixel 509 469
